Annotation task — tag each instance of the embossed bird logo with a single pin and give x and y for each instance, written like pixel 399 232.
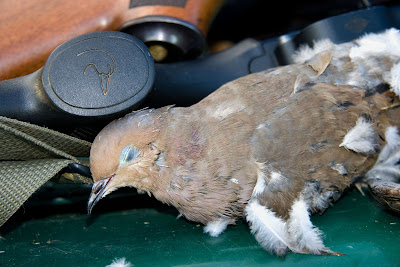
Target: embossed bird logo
pixel 104 77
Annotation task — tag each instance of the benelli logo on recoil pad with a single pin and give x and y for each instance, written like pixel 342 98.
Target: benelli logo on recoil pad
pixel 104 76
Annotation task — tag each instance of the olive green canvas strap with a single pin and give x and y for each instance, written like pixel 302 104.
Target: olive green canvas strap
pixel 20 179
pixel 31 155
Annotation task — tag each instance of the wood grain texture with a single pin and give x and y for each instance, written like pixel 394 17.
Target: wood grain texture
pixel 31 30
pixel 199 13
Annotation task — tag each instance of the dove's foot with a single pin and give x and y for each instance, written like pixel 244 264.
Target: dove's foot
pixel 386 192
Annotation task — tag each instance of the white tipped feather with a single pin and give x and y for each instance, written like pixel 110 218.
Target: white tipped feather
pixel 120 263
pixel 394 79
pixel 387 167
pixel 215 228
pixel 305 52
pixel 361 138
pixel 393 144
pixel 377 44
pixel 276 177
pixel 268 229
pixel 340 168
pixel 374 57
pixel 260 185
pixel 277 182
pixel 316 199
pixel 301 81
pixel 302 232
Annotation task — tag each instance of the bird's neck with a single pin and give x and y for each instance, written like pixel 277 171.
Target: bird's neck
pixel 174 144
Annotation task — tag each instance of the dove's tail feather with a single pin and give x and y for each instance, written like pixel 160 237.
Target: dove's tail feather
pixel 268 229
pixel 277 236
pixel 305 236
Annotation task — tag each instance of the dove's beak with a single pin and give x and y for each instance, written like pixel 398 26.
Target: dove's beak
pixel 98 191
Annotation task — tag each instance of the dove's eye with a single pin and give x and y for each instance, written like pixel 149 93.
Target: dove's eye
pixel 128 154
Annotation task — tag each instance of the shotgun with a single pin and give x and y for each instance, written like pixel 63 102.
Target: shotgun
pixel 172 29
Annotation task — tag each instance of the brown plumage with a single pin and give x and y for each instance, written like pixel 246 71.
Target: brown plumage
pixel 268 147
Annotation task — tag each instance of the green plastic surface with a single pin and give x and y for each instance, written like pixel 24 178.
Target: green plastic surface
pixel 150 235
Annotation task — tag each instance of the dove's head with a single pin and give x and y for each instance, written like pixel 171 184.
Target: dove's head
pixel 125 153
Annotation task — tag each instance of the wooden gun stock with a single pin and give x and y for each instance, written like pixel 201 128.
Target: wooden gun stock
pixel 30 30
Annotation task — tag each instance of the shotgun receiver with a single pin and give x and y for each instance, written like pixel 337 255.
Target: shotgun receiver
pixel 173 30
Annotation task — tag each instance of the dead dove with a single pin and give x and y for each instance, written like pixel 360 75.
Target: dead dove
pixel 273 147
